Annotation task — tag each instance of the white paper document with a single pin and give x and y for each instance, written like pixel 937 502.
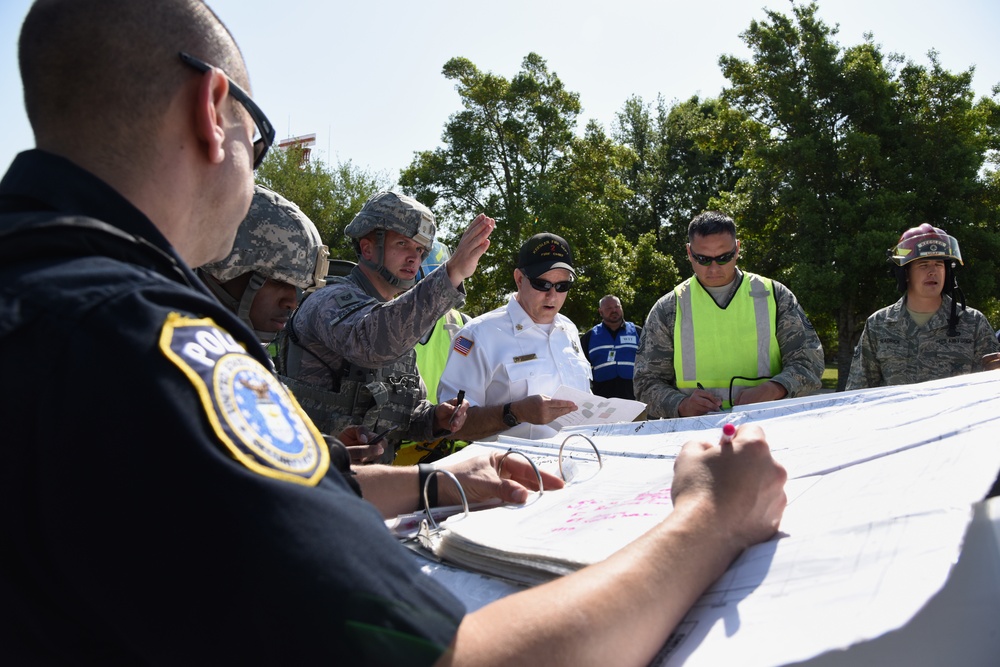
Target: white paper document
pixel 882 489
pixel 593 409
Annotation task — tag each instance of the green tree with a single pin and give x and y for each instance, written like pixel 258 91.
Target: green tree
pixel 685 156
pixel 849 160
pixel 329 195
pixel 496 153
pixel 512 153
pixel 581 201
pixel 634 271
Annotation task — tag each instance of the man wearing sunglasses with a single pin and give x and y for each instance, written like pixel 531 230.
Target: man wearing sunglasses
pixel 512 359
pixel 165 500
pixel 724 337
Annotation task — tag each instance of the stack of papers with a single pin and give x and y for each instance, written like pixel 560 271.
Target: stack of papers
pixel 882 488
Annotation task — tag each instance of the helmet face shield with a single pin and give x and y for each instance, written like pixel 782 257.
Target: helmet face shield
pixel 438 255
pixel 935 244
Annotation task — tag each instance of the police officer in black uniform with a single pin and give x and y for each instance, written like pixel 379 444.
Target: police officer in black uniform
pixel 152 458
pixel 164 499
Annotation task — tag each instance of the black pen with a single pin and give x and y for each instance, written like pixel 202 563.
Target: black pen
pixel 378 438
pixel 458 404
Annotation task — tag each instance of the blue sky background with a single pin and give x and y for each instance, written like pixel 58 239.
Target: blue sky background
pixel 365 77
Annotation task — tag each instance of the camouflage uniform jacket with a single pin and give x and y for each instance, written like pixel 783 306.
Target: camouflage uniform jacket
pixel 655 379
pixel 348 327
pixel 894 350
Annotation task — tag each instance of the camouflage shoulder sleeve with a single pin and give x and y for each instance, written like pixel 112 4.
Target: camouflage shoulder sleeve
pixel 802 361
pixel 986 340
pixel 865 369
pixel 372 333
pixel 654 379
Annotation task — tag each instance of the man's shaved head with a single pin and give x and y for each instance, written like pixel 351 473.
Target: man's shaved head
pixel 99 74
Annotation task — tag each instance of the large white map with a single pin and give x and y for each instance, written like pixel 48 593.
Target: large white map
pixel 883 486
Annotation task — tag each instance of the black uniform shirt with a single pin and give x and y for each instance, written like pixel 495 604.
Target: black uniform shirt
pixel 163 500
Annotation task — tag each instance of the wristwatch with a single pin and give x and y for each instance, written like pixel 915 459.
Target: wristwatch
pixel 508 417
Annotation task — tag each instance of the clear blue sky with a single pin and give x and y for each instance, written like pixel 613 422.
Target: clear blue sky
pixel 365 77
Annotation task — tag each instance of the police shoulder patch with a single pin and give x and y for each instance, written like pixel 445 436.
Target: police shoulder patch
pixel 258 421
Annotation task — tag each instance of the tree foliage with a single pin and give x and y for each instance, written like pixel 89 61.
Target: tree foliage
pixel 685 156
pixel 823 154
pixel 512 153
pixel 329 195
pixel 855 152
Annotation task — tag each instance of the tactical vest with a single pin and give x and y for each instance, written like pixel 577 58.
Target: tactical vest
pixel 725 349
pixel 613 357
pixel 374 397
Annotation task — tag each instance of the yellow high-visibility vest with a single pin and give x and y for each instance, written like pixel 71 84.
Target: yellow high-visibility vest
pixel 432 356
pixel 714 345
pixel 431 359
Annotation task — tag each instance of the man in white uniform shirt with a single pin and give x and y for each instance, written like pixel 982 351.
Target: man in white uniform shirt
pixel 509 361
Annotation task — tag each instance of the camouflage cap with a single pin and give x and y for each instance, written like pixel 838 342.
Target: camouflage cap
pixel 397 213
pixel 278 241
pixel 925 242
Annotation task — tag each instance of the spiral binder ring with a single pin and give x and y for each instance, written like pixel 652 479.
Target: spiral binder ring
pixel 538 474
pixel 600 461
pixel 427 505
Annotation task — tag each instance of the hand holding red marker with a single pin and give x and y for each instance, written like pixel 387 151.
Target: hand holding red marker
pixel 728 431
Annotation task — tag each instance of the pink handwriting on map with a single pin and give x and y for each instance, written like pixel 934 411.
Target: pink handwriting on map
pixel 593 510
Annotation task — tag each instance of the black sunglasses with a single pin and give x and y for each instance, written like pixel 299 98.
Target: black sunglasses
pixel 545 285
pixel 721 260
pixel 264 127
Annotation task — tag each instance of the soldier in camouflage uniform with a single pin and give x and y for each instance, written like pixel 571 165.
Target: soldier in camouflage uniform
pixel 277 251
pixel 348 351
pixel 724 337
pixel 927 334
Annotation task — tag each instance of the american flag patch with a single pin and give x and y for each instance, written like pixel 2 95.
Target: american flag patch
pixel 463 346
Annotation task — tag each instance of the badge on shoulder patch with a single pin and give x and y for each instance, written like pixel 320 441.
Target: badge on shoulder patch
pixel 257 420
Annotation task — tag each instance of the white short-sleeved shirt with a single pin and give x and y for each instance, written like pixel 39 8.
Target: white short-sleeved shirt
pixel 504 356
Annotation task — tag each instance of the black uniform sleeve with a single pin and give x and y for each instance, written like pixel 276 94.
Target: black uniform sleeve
pixel 142 538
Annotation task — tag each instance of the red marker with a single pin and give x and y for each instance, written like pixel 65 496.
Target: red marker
pixel 728 431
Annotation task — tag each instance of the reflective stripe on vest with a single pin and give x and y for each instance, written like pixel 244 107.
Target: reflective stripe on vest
pixel 621 363
pixel 713 345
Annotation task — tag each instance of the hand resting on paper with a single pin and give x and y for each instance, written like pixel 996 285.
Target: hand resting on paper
pixel 483 479
pixel 621 610
pixel 991 361
pixel 487 420
pixel 395 490
pixel 762 393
